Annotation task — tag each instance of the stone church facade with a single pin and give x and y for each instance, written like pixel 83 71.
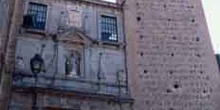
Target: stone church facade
pixel 97 55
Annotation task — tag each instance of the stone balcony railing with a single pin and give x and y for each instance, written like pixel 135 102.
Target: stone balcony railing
pixel 71 85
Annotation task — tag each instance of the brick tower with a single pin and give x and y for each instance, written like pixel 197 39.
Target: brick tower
pixel 171 61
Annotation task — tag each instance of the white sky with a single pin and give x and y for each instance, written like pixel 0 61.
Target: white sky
pixel 110 0
pixel 212 11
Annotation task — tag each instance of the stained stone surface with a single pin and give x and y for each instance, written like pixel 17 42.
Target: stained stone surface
pixel 171 61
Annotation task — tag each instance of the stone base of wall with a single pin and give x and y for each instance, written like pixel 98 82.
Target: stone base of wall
pixel 23 100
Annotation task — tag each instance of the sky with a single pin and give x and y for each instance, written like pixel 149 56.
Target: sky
pixel 212 13
pixel 110 0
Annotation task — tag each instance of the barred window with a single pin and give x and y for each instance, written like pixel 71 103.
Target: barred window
pixel 39 11
pixel 109 28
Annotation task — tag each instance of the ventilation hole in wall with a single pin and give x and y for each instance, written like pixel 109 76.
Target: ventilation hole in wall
pixel 171 72
pixel 145 71
pixel 190 7
pixel 193 20
pixel 138 18
pixel 201 72
pixel 165 6
pixel 176 86
pixel 141 54
pixel 174 37
pixel 141 36
pixel 169 20
pixel 204 91
pixel 198 55
pixel 197 39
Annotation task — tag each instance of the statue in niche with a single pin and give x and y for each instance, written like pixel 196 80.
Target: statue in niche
pixel 72 64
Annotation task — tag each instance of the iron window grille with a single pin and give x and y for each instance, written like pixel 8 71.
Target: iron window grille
pixel 39 13
pixel 109 28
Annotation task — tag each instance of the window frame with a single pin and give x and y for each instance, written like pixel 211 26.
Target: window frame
pixel 116 27
pixel 43 17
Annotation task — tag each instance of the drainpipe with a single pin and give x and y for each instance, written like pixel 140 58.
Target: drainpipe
pixel 122 5
pixel 124 35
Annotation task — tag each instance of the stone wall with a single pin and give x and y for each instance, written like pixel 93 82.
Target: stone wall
pixel 94 68
pixel 54 101
pixel 172 65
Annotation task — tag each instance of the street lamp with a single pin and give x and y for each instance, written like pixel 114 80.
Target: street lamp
pixel 36 64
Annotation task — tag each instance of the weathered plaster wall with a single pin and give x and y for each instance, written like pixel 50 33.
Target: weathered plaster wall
pixel 171 62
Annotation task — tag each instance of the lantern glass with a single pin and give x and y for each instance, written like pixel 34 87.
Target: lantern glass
pixel 36 64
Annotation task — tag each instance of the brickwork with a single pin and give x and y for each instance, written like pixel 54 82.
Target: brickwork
pixel 174 66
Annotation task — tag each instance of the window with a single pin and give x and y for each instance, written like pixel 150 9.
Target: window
pixel 109 28
pixel 39 12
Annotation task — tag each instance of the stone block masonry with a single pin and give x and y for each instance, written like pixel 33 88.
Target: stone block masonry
pixel 170 61
pixel 172 66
